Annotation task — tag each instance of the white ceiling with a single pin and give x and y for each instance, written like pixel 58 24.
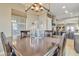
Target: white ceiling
pixel 59 12
pixel 57 9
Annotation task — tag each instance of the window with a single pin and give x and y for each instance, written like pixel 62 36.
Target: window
pixel 18 24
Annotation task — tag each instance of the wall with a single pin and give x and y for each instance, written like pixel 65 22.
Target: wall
pixel 5 16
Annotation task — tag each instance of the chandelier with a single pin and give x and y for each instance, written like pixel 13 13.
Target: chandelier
pixel 39 7
pixel 36 7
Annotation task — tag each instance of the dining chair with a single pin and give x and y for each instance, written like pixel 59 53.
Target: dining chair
pixel 1 47
pixel 54 51
pixel 3 43
pixel 62 44
pixel 9 49
pixel 6 45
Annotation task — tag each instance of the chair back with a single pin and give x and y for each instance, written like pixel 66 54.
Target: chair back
pixel 6 46
pixel 3 43
pixel 62 44
pixel 1 47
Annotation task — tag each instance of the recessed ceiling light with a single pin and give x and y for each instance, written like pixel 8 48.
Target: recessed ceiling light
pixel 63 7
pixel 66 11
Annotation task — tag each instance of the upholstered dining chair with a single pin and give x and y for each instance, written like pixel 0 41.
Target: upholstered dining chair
pixel 53 51
pixel 3 42
pixel 62 44
pixel 6 45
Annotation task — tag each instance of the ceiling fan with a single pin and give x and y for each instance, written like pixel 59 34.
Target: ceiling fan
pixel 39 7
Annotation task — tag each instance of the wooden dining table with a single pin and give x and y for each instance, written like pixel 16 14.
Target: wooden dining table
pixel 26 46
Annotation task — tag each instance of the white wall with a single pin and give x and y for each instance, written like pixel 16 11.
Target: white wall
pixel 5 16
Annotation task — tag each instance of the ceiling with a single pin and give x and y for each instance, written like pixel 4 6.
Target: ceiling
pixel 58 9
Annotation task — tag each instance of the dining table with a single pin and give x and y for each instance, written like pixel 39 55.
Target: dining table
pixel 35 47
